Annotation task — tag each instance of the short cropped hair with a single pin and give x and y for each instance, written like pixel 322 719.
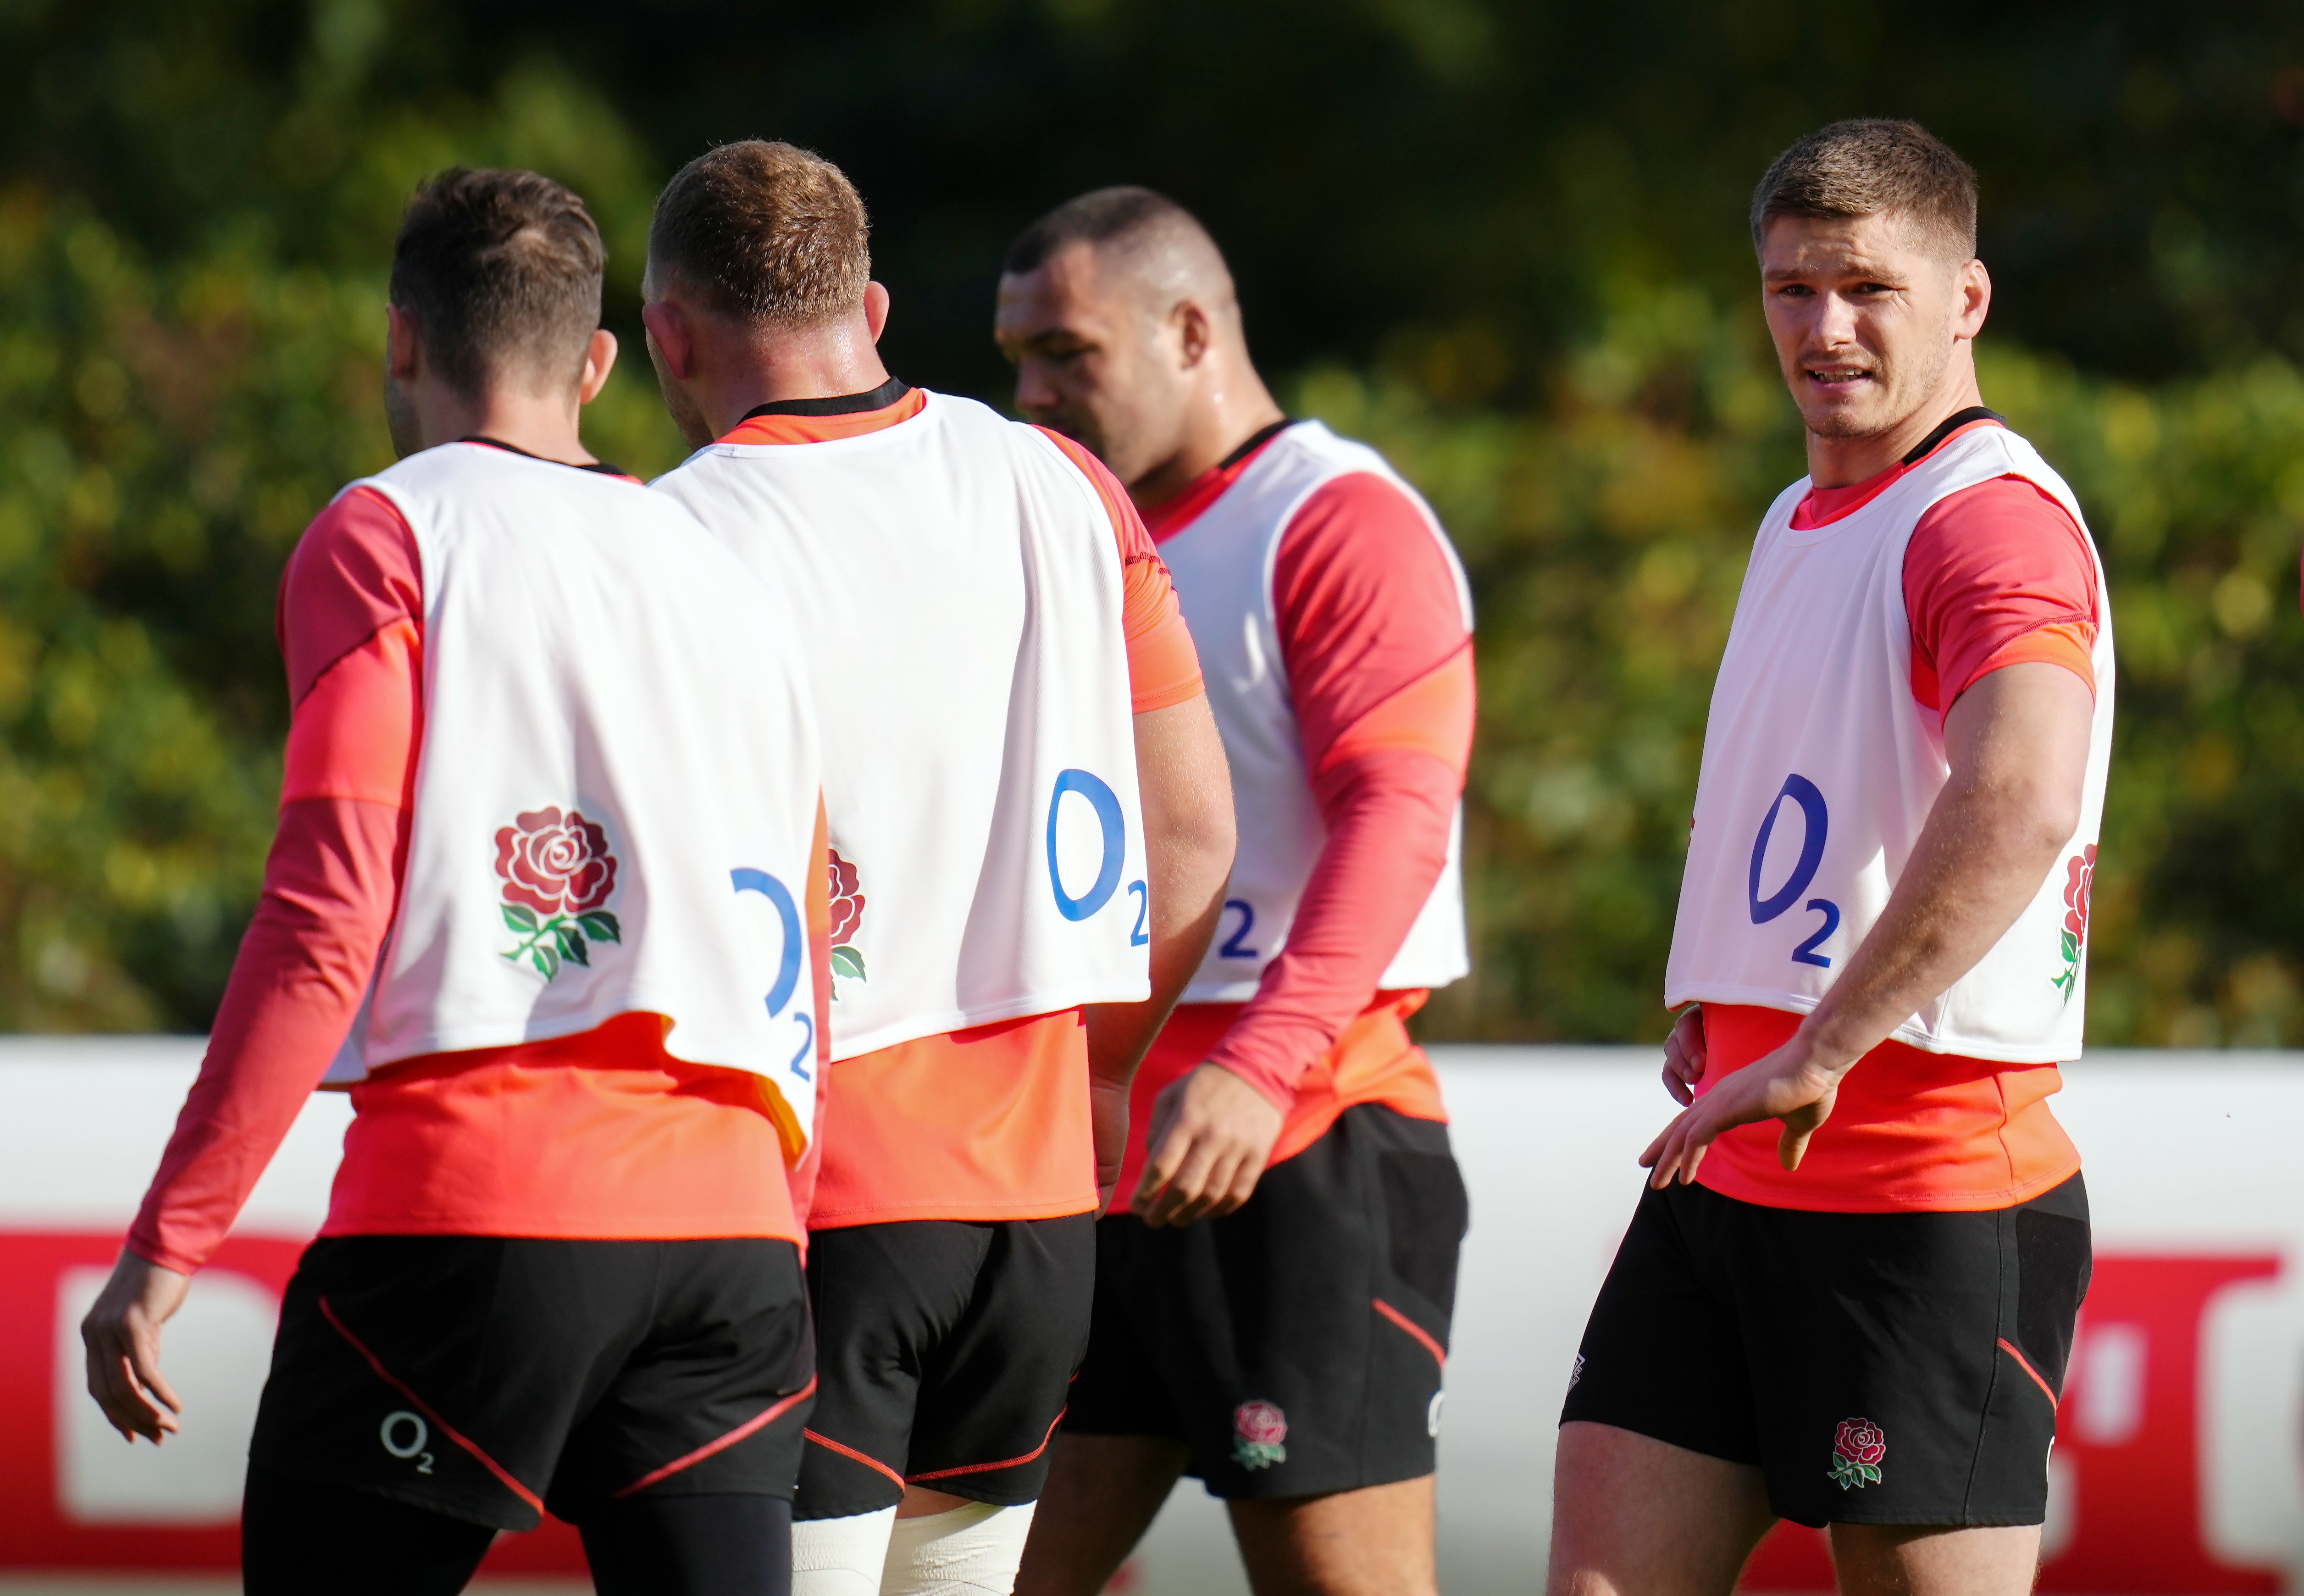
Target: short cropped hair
pixel 766 231
pixel 1098 217
pixel 501 271
pixel 1865 167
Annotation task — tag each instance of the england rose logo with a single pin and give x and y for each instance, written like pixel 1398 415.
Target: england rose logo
pixel 847 919
pixel 1856 1451
pixel 2080 882
pixel 556 872
pixel 1257 1430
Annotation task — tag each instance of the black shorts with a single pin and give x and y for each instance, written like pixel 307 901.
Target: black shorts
pixel 1295 1346
pixel 1892 1369
pixel 947 1346
pixel 488 1378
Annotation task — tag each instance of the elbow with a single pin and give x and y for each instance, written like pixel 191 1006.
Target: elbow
pixel 2048 822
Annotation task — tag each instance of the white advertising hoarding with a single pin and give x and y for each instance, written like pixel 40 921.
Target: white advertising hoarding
pixel 2180 1467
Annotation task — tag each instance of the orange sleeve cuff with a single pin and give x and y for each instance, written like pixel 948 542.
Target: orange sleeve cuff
pixel 1163 667
pixel 1432 715
pixel 2069 644
pixel 355 733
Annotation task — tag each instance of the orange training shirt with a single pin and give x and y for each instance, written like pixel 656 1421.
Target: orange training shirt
pixel 990 1123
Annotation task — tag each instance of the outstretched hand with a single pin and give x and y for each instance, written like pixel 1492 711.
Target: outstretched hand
pixel 1212 1134
pixel 1791 1085
pixel 121 1334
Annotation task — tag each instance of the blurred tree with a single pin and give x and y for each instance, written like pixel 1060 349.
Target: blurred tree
pixel 1504 241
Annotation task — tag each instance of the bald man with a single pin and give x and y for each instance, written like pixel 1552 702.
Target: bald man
pixel 1273 1300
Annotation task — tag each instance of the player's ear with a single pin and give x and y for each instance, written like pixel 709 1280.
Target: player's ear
pixel 1975 298
pixel 875 310
pixel 403 349
pixel 669 339
pixel 599 359
pixel 1193 333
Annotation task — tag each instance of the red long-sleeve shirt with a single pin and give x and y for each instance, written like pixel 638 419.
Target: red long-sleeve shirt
pixel 597 1136
pixel 1379 668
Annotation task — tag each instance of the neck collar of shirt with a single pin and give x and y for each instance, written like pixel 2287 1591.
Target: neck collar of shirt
pixel 1825 506
pixel 822 421
pixel 599 467
pixel 1173 515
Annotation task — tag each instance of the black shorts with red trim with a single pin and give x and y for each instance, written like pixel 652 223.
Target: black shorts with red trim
pixel 489 1377
pixel 1888 1369
pixel 947 1349
pixel 1297 1345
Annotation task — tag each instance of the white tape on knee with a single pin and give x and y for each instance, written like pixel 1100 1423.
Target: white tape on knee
pixel 840 1556
pixel 968 1551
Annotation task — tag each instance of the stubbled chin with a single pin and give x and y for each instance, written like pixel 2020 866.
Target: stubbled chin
pixel 1849 416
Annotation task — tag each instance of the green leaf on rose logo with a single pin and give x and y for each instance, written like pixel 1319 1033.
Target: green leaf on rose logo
pixel 519 917
pixel 848 962
pixel 601 926
pixel 572 944
pixel 546 962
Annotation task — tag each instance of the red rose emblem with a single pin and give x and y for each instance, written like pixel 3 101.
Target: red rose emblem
pixel 847 901
pixel 1860 1440
pixel 2080 881
pixel 1259 1423
pixel 555 864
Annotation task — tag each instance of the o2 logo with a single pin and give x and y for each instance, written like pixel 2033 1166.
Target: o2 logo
pixel 787 979
pixel 1817 823
pixel 1235 947
pixel 403 1435
pixel 1113 826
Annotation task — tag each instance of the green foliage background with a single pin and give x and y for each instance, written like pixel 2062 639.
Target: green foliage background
pixel 1502 241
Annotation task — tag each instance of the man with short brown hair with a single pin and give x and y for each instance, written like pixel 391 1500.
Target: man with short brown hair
pixel 1848 1293
pixel 548 860
pixel 1031 829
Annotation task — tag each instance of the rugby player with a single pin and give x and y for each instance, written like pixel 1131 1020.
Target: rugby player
pixel 1001 669
pixel 1848 1293
pixel 1274 1296
pixel 550 812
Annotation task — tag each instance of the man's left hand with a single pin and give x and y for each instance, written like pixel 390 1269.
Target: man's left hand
pixel 1791 1085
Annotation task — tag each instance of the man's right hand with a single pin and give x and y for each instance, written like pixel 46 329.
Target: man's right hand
pixel 123 1335
pixel 1211 1135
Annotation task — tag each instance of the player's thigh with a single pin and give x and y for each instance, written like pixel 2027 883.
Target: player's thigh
pixel 1372 1541
pixel 1912 1362
pixel 703 1545
pixel 300 1535
pixel 1102 1493
pixel 713 1400
pixel 885 1297
pixel 996 1383
pixel 1636 1517
pixel 1896 1560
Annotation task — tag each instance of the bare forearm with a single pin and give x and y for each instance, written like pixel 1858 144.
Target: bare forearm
pixel 1185 789
pixel 1980 859
pixel 2019 743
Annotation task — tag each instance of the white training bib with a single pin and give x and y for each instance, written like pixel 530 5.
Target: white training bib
pixel 1820 767
pixel 959 587
pixel 1222 565
pixel 617 792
